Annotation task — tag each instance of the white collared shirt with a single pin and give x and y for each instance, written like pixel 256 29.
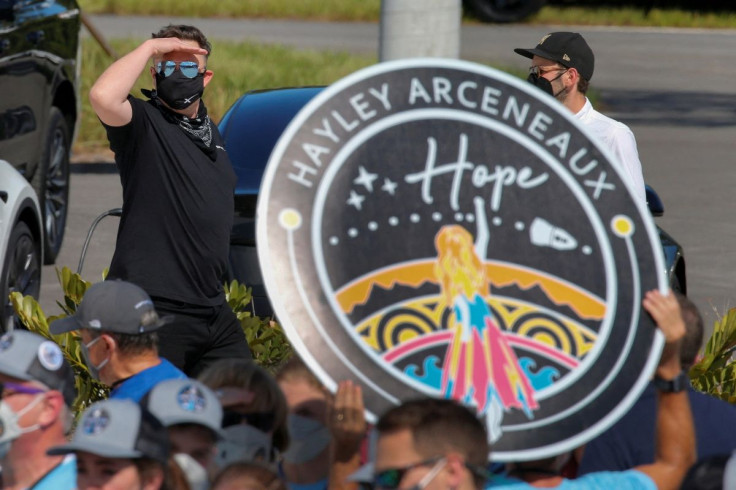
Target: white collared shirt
pixel 620 140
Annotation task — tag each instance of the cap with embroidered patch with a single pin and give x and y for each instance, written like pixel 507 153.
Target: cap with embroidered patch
pixel 117 428
pixel 31 357
pixel 566 48
pixel 113 306
pixel 185 401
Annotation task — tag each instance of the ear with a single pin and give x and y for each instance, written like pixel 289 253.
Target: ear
pixel 457 474
pixel 51 408
pixel 572 77
pixel 152 479
pixel 153 76
pixel 207 76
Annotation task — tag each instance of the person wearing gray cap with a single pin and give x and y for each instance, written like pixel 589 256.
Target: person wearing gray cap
pixel 118 444
pixel 36 393
pixel 562 66
pixel 117 324
pixel 192 413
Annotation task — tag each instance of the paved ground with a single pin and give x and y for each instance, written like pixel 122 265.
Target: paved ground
pixel 673 87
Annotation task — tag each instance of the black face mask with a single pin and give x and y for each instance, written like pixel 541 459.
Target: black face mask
pixel 544 84
pixel 178 91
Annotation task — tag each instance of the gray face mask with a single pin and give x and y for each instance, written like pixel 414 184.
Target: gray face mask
pixel 94 371
pixel 9 428
pixel 243 443
pixel 308 438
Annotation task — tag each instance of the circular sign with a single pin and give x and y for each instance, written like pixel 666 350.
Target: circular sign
pixel 439 228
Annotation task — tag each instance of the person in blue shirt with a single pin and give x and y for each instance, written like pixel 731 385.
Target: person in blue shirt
pixel 438 444
pixel 117 323
pixel 36 394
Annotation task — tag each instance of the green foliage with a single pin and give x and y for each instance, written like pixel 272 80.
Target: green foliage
pixel 266 338
pixel 34 319
pixel 715 373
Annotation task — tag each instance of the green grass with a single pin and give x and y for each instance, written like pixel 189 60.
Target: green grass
pixel 370 10
pixel 259 67
pixel 349 10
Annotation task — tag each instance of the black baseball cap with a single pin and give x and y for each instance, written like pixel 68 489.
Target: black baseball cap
pixel 113 306
pixel 566 48
pixel 117 428
pixel 30 357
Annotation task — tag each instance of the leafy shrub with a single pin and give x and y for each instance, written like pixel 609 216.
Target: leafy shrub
pixel 715 373
pixel 265 336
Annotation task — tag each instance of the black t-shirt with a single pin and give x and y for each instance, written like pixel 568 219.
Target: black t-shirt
pixel 174 233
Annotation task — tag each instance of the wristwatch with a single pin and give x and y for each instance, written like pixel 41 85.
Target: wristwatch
pixel 676 385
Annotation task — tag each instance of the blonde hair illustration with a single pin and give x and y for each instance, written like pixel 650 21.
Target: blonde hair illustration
pixel 458 269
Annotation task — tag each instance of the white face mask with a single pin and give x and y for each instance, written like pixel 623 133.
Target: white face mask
pixel 243 443
pixel 94 371
pixel 308 438
pixel 9 426
pixel 196 475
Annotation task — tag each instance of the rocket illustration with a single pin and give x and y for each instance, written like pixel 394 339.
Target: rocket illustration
pixel 545 234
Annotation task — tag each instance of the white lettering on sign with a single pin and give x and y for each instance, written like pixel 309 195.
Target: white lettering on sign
pixel 500 177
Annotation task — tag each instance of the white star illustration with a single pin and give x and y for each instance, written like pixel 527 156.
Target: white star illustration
pixel 356 200
pixel 389 186
pixel 365 179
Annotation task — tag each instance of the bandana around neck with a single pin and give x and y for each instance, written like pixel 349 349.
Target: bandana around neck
pixel 198 129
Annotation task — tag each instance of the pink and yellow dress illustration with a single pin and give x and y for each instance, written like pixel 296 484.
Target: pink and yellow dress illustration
pixel 480 367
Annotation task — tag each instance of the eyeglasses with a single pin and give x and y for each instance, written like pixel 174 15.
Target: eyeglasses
pixel 538 71
pixel 189 69
pixel 8 389
pixel 390 479
pixel 260 420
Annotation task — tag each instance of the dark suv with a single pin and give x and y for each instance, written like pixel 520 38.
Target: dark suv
pixel 39 101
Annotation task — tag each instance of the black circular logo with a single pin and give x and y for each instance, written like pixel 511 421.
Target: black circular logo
pixel 439 228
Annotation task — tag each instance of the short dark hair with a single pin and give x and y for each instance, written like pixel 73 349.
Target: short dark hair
pixel 131 344
pixel 185 33
pixel 583 85
pixel 439 426
pixel 693 331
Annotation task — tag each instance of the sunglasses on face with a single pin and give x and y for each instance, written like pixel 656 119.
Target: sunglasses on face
pixel 189 69
pixel 390 479
pixel 260 420
pixel 8 388
pixel 538 71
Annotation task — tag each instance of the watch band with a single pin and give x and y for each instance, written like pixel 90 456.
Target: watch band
pixel 677 384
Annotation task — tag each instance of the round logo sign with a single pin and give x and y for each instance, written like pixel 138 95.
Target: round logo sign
pixel 439 228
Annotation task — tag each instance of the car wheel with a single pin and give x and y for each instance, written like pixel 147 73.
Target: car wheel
pixel 503 10
pixel 51 183
pixel 21 270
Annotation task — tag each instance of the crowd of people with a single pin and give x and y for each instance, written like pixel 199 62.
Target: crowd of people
pixel 189 408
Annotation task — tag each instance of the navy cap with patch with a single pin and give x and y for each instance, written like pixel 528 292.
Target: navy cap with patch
pixel 30 357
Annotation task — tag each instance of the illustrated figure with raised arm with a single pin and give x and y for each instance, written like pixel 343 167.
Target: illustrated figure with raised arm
pixel 480 366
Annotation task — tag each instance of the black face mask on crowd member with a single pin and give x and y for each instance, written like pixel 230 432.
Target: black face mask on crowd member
pixel 179 91
pixel 544 84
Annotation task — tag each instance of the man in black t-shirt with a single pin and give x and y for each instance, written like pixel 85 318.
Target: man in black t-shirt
pixel 178 187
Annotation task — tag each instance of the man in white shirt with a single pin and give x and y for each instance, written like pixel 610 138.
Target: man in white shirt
pixel 562 66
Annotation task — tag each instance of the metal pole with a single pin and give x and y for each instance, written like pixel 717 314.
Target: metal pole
pixel 419 28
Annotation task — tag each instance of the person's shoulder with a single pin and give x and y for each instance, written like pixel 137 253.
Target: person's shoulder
pixel 602 119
